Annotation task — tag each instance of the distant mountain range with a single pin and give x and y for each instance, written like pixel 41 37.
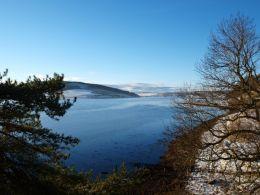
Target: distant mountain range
pixel 88 90
pixel 145 89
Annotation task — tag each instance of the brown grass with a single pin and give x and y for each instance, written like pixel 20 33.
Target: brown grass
pixel 172 174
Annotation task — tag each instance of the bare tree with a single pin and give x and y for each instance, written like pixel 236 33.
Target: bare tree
pixel 229 95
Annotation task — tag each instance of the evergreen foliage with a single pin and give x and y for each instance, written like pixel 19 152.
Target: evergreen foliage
pixel 30 154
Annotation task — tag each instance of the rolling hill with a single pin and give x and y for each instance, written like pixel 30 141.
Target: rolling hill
pixel 88 90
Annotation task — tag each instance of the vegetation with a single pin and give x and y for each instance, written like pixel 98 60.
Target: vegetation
pixel 30 155
pixel 226 109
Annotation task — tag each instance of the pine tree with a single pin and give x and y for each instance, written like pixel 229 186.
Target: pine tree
pixel 31 156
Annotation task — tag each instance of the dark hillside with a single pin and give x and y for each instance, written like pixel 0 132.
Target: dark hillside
pixel 98 91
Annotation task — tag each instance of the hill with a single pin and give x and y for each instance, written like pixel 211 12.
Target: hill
pixel 88 90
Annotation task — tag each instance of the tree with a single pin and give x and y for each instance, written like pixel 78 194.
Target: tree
pixel 229 69
pixel 31 156
pixel 229 95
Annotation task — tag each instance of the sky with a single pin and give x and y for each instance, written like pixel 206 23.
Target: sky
pixel 112 41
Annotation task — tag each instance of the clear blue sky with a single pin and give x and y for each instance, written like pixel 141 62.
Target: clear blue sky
pixel 112 41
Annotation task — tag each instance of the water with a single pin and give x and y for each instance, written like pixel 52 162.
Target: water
pixel 112 131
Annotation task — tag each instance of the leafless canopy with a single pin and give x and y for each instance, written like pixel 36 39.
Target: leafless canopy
pixel 230 93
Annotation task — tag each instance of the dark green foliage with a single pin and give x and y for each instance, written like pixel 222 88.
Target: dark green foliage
pixel 29 153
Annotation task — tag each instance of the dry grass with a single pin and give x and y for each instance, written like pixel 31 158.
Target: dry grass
pixel 172 174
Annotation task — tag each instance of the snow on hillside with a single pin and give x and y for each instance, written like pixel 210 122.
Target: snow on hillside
pixel 219 177
pixel 88 90
pixel 82 93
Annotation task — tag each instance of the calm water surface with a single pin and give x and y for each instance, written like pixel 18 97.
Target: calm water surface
pixel 112 131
